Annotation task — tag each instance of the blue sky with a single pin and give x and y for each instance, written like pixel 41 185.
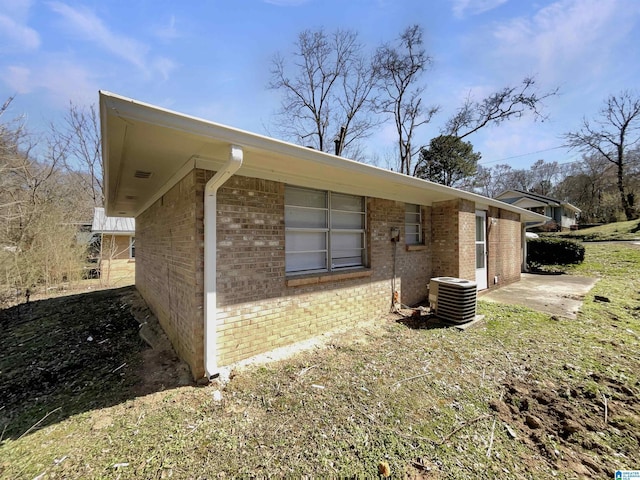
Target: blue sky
pixel 211 59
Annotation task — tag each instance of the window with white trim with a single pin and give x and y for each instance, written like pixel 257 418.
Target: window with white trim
pixel 325 231
pixel 413 224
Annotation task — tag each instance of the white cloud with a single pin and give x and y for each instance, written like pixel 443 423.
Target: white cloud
pixel 61 80
pixel 90 27
pixel 169 31
pixel 518 143
pixel 17 36
pixel 87 24
pixel 18 8
pixel 164 66
pixel 565 38
pixel 17 78
pixel 474 7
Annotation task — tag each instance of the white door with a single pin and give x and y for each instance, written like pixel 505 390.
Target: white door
pixel 481 249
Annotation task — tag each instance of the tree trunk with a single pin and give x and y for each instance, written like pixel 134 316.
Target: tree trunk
pixel 624 201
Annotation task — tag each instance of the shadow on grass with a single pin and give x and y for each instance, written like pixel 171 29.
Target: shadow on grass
pixel 68 355
pixel 424 322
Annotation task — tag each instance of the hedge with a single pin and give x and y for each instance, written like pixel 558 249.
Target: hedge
pixel 554 251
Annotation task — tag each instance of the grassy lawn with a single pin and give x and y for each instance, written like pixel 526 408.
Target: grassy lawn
pixel 524 396
pixel 611 231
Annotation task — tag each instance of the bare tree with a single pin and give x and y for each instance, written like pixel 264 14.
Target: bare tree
pixel 76 143
pixel 613 134
pixel 501 177
pixel 326 92
pixel 38 205
pixel 589 185
pixel 399 67
pixel 508 103
pixel 543 177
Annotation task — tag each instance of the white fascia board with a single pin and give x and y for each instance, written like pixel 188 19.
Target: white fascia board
pixel 571 207
pixel 104 147
pixel 129 109
pixel 119 233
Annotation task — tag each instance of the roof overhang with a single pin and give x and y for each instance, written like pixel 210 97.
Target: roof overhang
pixel 526 202
pixel 147 149
pixel 568 206
pixel 115 232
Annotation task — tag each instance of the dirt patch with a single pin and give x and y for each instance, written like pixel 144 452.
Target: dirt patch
pixel 571 427
pixel 160 368
pixel 72 354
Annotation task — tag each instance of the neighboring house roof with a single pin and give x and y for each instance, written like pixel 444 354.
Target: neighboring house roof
pixel 113 225
pixel 526 199
pixel 147 150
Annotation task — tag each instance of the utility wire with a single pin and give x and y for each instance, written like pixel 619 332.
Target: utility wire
pixel 521 155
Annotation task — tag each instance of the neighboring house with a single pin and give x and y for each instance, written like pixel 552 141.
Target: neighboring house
pixel 246 243
pixel 117 247
pixel 564 216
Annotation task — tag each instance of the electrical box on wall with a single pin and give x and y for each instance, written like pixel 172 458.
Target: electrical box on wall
pixel 395 234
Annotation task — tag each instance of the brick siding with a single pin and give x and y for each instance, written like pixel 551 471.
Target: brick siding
pixel 453 237
pixel 168 238
pixel 467 240
pixel 505 247
pixel 261 308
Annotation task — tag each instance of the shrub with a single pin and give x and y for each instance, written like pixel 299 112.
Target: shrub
pixel 554 251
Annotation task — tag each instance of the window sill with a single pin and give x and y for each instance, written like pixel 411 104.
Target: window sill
pixel 416 248
pixel 315 279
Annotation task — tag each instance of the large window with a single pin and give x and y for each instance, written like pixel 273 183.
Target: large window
pixel 413 224
pixel 325 231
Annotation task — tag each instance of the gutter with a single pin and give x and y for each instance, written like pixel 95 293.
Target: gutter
pixel 232 165
pixel 309 165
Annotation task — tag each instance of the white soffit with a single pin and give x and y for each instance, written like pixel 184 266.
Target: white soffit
pixel 529 203
pixel 147 149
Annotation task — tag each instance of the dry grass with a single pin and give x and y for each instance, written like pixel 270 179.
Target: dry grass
pixel 432 403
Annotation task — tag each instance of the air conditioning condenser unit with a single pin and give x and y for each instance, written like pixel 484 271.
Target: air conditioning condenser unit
pixel 453 299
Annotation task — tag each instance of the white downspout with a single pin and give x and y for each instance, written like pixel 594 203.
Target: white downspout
pixel 523 241
pixel 210 247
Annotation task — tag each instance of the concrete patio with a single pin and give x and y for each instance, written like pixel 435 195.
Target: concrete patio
pixel 560 295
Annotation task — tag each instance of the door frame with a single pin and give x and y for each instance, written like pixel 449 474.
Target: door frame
pixel 482 274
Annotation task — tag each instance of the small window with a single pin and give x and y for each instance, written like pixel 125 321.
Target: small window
pixel 132 247
pixel 413 224
pixel 325 231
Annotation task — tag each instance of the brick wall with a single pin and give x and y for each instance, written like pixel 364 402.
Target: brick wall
pixel 467 239
pixel 453 238
pixel 168 255
pixel 412 263
pixel 260 309
pixel 505 247
pixel 445 238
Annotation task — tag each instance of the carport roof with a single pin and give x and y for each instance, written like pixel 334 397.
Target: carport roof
pixel 115 225
pixel 147 149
